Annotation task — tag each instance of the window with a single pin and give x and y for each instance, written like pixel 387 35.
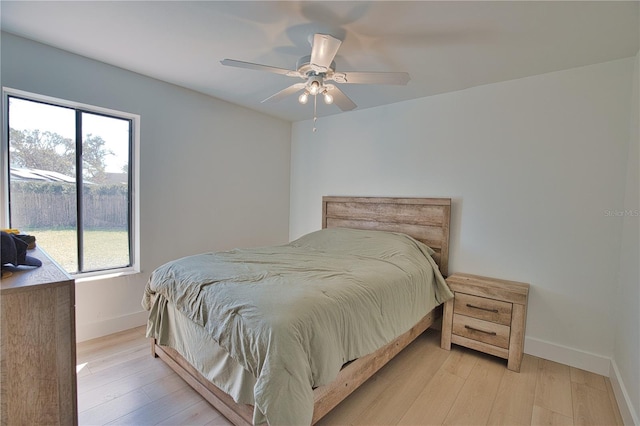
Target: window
pixel 71 174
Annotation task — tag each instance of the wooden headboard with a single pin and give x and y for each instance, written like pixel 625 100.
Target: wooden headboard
pixel 425 219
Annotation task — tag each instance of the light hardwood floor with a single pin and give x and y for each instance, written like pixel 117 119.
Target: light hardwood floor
pixel 120 383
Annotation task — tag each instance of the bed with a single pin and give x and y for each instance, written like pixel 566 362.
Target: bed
pixel 294 379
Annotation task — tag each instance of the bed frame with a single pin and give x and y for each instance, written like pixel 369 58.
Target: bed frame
pixel 425 219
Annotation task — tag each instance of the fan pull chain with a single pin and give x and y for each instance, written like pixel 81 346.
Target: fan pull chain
pixel 315 118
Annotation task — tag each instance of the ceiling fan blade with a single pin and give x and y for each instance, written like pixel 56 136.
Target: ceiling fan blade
pixel 340 99
pixel 323 51
pixel 258 67
pixel 399 78
pixel 285 92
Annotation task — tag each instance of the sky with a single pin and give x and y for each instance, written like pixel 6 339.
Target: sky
pixel 28 115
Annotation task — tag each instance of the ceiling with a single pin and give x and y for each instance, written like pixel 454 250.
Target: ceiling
pixel 444 46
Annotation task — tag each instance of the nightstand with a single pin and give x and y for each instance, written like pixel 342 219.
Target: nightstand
pixel 488 315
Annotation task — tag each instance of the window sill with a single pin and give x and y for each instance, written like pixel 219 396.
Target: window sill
pixel 103 275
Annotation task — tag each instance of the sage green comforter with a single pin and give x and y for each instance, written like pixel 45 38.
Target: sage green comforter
pixel 292 315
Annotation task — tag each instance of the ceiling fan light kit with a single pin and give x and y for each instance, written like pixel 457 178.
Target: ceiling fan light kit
pixel 318 69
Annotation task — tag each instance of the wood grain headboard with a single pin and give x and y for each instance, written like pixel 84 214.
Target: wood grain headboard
pixel 425 219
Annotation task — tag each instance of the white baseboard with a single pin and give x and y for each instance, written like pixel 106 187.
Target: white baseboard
pixel 594 363
pixel 628 413
pixel 569 356
pixel 110 326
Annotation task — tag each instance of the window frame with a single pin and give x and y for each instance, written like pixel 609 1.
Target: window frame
pixel 134 178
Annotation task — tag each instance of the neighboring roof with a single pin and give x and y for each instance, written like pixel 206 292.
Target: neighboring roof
pixel 117 178
pixel 23 174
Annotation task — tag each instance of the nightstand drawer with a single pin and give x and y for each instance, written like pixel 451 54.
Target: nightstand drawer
pixel 482 331
pixel 483 308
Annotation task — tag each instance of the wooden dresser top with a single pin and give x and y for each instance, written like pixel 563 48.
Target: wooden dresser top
pixel 24 278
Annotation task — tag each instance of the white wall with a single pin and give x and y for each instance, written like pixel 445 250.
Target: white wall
pixel 213 175
pixel 532 166
pixel 626 352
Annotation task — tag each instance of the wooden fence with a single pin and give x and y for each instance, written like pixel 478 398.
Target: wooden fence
pixel 57 209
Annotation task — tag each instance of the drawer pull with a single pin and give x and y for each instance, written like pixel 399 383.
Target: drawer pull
pixel 490 333
pixel 469 305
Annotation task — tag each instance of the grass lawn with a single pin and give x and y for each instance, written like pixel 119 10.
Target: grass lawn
pixel 103 249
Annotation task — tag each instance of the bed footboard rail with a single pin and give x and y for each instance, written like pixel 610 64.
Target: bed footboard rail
pixel 360 370
pixel 238 414
pixel 326 397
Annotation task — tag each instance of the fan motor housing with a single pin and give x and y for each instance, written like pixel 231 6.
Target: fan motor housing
pixel 303 66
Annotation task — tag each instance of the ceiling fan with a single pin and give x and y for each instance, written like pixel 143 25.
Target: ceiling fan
pixel 319 68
